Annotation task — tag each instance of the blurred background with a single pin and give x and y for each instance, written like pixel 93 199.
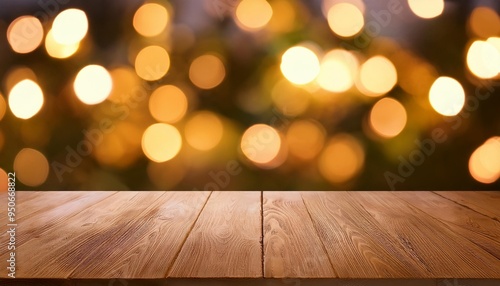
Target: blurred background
pixel 250 95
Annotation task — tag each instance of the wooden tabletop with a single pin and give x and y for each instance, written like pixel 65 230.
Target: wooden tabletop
pixel 338 235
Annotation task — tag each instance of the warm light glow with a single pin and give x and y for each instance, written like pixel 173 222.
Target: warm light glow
pixel 58 50
pixel 338 69
pixel 150 19
pixel 283 21
pixel 483 59
pixel 484 22
pixel 377 76
pixel 261 143
pixel 3 106
pixel 17 74
pixel 345 19
pixel 207 71
pixel 31 167
pixel 447 96
pixel 305 139
pixel 161 142
pixel 25 34
pixel 120 148
pixel 175 170
pixel 300 65
pixel 93 84
pixel 342 159
pixel 289 99
pixel 126 85
pixel 204 131
pixel 484 163
pixel 253 14
pixel 388 117
pixel 168 104
pixel 70 26
pixel 426 9
pixel 25 99
pixel 3 181
pixel 152 63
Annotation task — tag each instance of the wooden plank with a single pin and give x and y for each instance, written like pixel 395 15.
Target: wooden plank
pixel 437 248
pixel 150 250
pixel 487 203
pixel 47 210
pixel 358 246
pixel 225 241
pixel 292 247
pixel 474 226
pixel 57 253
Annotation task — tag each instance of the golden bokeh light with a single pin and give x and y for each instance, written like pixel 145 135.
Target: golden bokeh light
pixel 345 19
pixel 377 76
pixel 168 104
pixel 152 63
pixel 388 117
pixel 120 148
pixel 483 59
pixel 3 106
pixel 253 14
pixel 58 50
pixel 342 159
pixel 289 99
pixel 175 171
pixel 25 34
pixel 161 142
pixel 305 139
pixel 70 26
pixel 426 9
pixel 447 96
pixel 150 19
pixel 338 71
pixel 484 22
pixel 3 181
pixel 204 130
pixel 93 84
pixel 207 71
pixel 283 21
pixel 18 74
pixel 484 163
pixel 300 65
pixel 126 84
pixel 31 167
pixel 26 99
pixel 261 143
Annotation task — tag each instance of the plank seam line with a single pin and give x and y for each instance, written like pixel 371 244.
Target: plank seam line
pixel 169 268
pixel 262 232
pixel 319 237
pixel 467 207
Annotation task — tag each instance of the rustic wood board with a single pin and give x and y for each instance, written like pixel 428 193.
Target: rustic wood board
pixel 359 246
pixel 444 253
pixel 226 239
pixel 292 247
pixel 157 237
pixel 487 203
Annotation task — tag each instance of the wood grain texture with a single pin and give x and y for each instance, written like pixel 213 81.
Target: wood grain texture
pixel 475 227
pixel 150 249
pixel 487 203
pixel 359 246
pixel 225 241
pixel 441 251
pixel 292 247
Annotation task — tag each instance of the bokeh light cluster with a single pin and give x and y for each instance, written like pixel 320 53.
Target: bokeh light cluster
pixel 293 94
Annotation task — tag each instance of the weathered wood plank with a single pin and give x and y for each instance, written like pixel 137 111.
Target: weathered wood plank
pixel 148 251
pixel 474 226
pixel 358 245
pixel 292 247
pixel 225 241
pixel 445 254
pixel 57 253
pixel 487 203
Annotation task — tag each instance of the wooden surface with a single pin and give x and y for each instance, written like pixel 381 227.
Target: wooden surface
pixel 337 235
